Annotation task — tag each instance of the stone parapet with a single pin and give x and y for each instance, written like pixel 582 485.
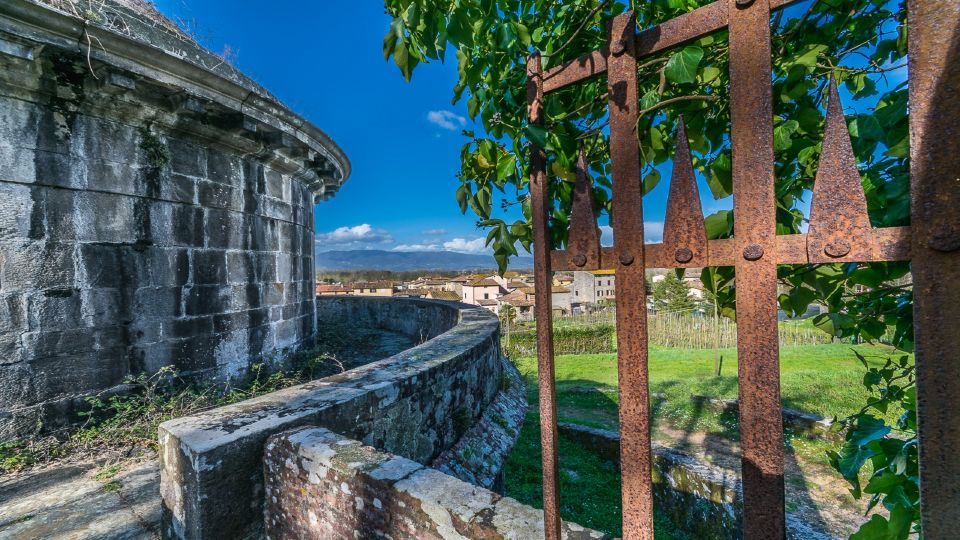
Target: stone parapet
pixel 323 485
pixel 416 404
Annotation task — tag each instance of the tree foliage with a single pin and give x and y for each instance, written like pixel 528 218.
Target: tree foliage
pixel 672 294
pixel 859 43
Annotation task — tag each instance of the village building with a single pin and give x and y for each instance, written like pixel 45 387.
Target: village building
pixel 480 289
pixel 377 288
pixel 589 288
pixel 324 289
pixel 449 296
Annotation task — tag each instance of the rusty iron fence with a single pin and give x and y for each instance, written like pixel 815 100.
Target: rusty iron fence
pixel 839 231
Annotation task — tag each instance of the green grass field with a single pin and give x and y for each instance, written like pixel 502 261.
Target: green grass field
pixel 823 379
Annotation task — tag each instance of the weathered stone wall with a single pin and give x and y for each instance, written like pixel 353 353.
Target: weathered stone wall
pixel 416 404
pixel 699 499
pixel 322 485
pixel 146 218
pixel 421 321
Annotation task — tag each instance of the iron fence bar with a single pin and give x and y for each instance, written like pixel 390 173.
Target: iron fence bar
pixel 627 220
pixel 754 206
pixel 884 244
pixel 682 28
pixel 543 287
pixel 934 67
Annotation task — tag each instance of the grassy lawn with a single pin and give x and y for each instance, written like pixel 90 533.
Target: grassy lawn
pixel 589 486
pixel 823 379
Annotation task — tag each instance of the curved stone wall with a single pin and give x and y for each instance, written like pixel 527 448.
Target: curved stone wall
pixel 156 208
pixel 417 404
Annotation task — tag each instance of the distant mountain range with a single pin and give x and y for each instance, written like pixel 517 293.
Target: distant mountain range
pixel 399 261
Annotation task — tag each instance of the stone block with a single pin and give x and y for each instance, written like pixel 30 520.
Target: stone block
pixel 104 307
pixel 154 302
pixel 110 141
pixel 188 226
pixel 243 297
pixel 26 264
pixel 19 120
pixel 114 177
pixel 277 210
pixel 112 266
pixel 217 195
pixel 17 164
pixel 284 267
pixel 273 294
pixel 263 233
pixel 17 391
pixel 54 309
pixel 240 266
pixel 222 229
pixel 223 168
pixel 21 211
pixel 61 207
pixel 169 267
pixel 59 169
pixel 62 376
pixel 179 188
pixel 206 299
pixel 188 327
pixel 209 267
pixel 187 158
pixel 52 344
pixel 273 182
pixel 105 217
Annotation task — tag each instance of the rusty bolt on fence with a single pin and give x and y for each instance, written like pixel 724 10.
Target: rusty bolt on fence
pixel 837 248
pixel 626 259
pixel 753 252
pixel 579 259
pixel 683 255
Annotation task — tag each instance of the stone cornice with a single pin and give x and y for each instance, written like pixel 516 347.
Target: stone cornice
pixel 152 52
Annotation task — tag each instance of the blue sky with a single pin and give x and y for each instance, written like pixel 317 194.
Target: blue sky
pixel 324 60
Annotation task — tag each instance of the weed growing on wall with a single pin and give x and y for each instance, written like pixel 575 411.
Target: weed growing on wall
pixel 126 424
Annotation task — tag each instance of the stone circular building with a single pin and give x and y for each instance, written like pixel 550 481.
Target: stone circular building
pixel 156 208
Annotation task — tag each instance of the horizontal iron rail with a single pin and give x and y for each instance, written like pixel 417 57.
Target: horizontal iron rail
pixel 680 29
pixel 885 244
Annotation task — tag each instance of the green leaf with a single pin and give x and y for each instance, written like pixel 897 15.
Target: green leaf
pixel 682 66
pixel 884 482
pixel 782 135
pixel 868 429
pixel 720 178
pixel 809 57
pixel 524 34
pixel 403 60
pixel 868 127
pixel 875 529
pixel 536 134
pixel 650 181
pixel 718 224
pixel 506 166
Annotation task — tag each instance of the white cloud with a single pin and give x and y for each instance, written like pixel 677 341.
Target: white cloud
pixel 476 245
pixel 652 230
pixel 356 237
pixel 435 232
pixel 417 247
pixel 446 120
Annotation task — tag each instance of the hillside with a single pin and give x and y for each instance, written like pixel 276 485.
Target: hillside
pixel 411 260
